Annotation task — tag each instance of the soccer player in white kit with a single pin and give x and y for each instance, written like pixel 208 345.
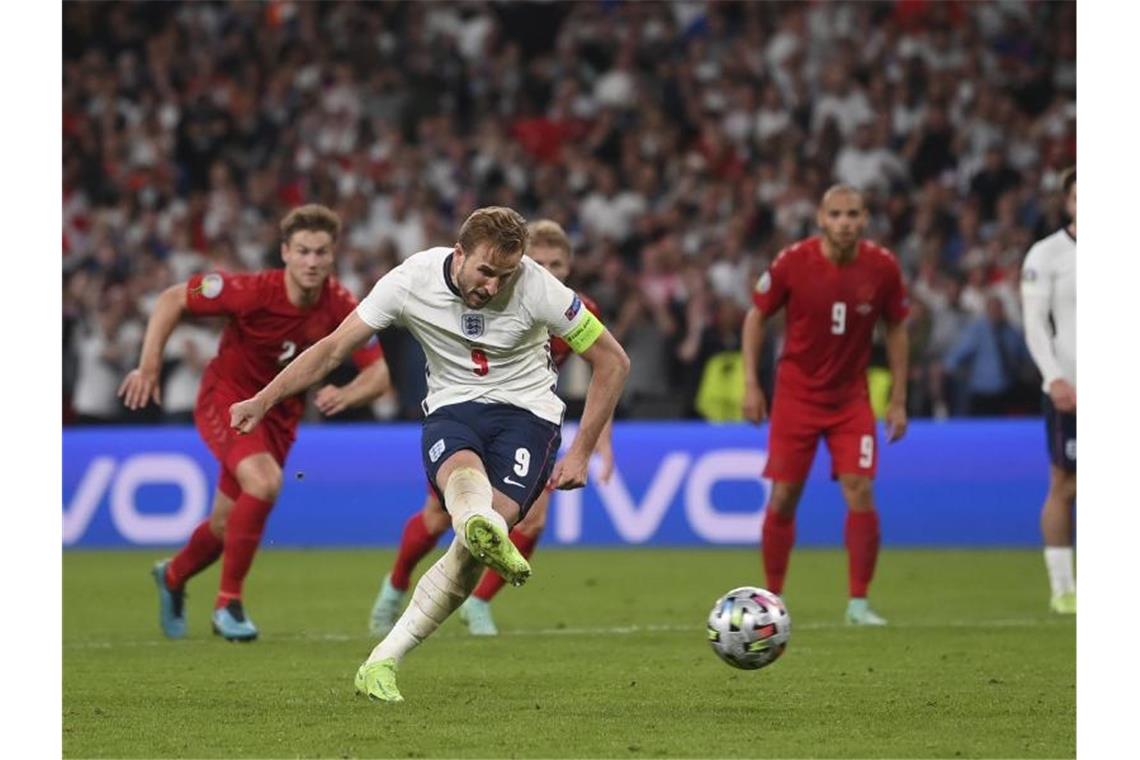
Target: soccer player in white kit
pixel 483 313
pixel 1049 296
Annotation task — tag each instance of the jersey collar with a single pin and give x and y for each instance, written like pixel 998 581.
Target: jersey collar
pixel 447 276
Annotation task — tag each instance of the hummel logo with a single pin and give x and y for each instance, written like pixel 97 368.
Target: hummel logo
pixel 508 480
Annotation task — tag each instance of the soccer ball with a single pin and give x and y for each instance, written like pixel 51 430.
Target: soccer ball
pixel 749 627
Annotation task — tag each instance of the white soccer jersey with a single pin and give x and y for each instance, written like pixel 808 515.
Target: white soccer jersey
pixel 496 354
pixel 1049 289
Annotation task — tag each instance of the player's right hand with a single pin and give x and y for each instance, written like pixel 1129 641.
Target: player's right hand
pixel 244 415
pixel 1063 395
pixel 139 387
pixel 755 405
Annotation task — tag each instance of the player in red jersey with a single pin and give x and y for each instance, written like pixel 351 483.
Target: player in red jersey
pixel 835 288
pixel 274 315
pixel 548 245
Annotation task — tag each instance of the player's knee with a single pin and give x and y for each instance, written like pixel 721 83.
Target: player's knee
pixel 532 524
pixel 436 520
pixel 218 524
pixel 262 483
pixel 784 499
pixel 1063 486
pixel 857 492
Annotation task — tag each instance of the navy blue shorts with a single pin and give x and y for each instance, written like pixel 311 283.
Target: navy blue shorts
pixel 1060 436
pixel 517 447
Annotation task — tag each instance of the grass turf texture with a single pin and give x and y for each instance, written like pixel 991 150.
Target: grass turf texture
pixel 602 654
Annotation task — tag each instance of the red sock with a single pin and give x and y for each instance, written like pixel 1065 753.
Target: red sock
pixel 861 534
pixel 201 551
pixel 243 534
pixel 492 581
pixel 776 540
pixel 415 543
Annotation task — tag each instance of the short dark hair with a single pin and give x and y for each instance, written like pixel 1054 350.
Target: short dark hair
pixel 314 218
pixel 1068 179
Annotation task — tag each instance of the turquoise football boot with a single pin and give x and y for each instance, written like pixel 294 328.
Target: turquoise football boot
pixel 386 609
pixel 171 604
pixel 860 613
pixel 477 614
pixel 231 623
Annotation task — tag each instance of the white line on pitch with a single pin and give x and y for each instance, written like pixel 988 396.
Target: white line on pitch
pixel 623 630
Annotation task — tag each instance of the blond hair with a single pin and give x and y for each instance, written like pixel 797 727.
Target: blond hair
pixel 313 218
pixel 549 233
pixel 502 228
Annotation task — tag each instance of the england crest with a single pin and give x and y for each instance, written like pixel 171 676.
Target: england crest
pixel 472 324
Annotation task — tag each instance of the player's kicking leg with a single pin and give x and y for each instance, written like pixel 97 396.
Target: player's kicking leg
pixel 421 534
pixel 480 539
pixel 259 476
pixel 476 611
pixel 201 551
pixel 861 535
pixel 1057 530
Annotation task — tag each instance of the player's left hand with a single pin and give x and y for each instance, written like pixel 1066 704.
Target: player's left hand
pixel 331 400
pixel 896 422
pixel 572 471
pixel 244 415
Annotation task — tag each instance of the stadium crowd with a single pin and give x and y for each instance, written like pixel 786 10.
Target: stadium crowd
pixel 681 145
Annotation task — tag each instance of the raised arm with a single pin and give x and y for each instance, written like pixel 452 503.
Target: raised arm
pixel 307 369
pixel 142 384
pixel 751 344
pixel 610 366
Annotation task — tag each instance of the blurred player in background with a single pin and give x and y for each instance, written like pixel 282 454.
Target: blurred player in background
pixel 549 246
pixel 273 316
pixel 835 287
pixel 483 313
pixel 1049 298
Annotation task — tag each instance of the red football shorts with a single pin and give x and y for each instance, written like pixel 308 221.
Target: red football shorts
pixel 796 426
pixel 229 447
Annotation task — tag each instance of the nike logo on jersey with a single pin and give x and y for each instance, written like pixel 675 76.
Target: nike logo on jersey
pixel 508 480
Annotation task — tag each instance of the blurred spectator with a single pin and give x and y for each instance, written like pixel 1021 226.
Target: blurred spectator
pixel 863 164
pixel 107 346
pixel 994 179
pixel 990 354
pixel 188 351
pixel 667 138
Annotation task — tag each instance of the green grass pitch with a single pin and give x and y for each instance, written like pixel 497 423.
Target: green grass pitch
pixel 602 654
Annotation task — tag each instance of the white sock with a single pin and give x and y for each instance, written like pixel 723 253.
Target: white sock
pixel 1059 563
pixel 438 593
pixel 468 493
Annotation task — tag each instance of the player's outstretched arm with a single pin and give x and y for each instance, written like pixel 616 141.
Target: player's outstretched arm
pixel 898 357
pixel 610 369
pixel 307 369
pixel 751 342
pixel 370 383
pixel 142 384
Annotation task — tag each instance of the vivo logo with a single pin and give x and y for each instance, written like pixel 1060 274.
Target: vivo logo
pixel 121 482
pixel 637 520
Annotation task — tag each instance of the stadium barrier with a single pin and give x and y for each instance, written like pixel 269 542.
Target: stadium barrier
pixel 954 483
